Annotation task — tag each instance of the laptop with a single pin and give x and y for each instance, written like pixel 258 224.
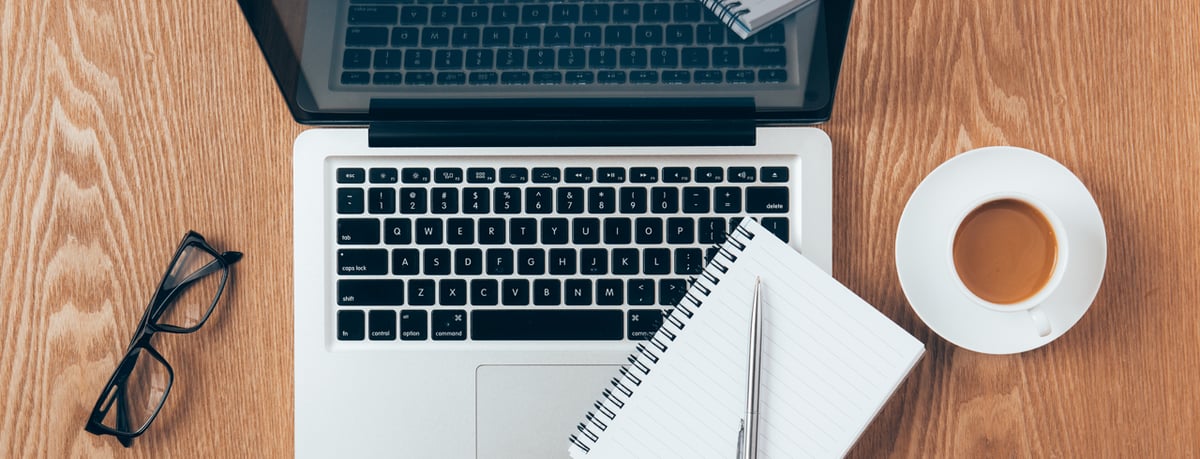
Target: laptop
pixel 505 197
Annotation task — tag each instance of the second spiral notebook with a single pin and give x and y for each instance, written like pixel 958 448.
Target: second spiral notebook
pixel 829 363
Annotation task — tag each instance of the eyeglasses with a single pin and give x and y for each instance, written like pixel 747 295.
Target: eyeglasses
pixel 184 300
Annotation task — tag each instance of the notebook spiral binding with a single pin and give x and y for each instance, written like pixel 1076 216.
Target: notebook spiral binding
pixel 643 359
pixel 727 11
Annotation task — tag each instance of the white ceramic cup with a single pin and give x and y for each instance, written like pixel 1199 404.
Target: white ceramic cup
pixel 1032 305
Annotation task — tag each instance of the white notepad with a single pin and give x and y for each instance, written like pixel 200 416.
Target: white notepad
pixel 745 17
pixel 829 363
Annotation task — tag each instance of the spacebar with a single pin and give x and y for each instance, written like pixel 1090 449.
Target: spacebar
pixel 561 324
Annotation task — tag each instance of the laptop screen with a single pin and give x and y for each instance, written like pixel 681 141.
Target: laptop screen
pixel 360 61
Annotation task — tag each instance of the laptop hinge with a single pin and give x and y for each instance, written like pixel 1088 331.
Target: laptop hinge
pixel 616 123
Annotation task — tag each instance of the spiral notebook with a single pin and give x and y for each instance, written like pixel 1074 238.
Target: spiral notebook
pixel 745 17
pixel 829 363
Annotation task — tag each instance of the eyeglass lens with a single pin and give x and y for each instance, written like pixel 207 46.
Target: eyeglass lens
pixel 197 277
pixel 133 403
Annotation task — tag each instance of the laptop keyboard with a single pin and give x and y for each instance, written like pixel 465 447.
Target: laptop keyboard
pixel 493 42
pixel 534 253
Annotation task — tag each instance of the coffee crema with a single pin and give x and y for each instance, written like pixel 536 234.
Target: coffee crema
pixel 1005 251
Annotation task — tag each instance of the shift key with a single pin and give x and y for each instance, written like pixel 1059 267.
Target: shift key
pixel 767 199
pixel 371 262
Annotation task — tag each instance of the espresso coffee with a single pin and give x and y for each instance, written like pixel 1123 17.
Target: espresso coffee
pixel 1005 251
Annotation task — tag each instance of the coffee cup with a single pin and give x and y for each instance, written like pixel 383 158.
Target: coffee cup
pixel 1008 253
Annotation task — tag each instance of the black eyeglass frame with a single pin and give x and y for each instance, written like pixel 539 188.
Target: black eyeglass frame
pixel 146 329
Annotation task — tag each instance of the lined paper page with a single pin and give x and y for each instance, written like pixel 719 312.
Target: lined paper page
pixel 829 363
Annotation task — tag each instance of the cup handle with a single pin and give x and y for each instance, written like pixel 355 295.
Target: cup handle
pixel 1040 321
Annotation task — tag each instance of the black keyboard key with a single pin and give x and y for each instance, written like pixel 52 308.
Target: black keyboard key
pixel 468 262
pixel 413 325
pixel 547 292
pixel 351 325
pixel 593 261
pixel 357 231
pixel 710 34
pixel 383 175
pixel 460 231
pixel 602 200
pixel 570 200
pixel 709 174
pixel 626 13
pixel 772 76
pixel 491 231
pixel 578 175
pixel 474 15
pixel 509 59
pixel 350 200
pixel 764 56
pixel 356 59
pixel 689 261
pixel 726 57
pixel 382 201
pixel 514 175
pixel 429 231
pixel 405 37
pixel 670 291
pixel 611 77
pixel 366 36
pixel 586 231
pixel 656 12
pixel 589 36
pixel 531 261
pixel 443 15
pixel 679 35
pixel 656 261
pixel 481 175
pixel 539 200
pixel 618 35
pixel 547 77
pixel 554 231
pixel 546 175
pixel 452 78
pixel 742 174
pixel 422 292
pixel 778 226
pixel 739 76
pixel 577 292
pixel 564 324
pixel 640 292
pixel 767 199
pixel 643 175
pixel 436 36
pixel 415 175
pixel 565 14
pixel 625 261
pixel 695 200
pixel 712 230
pixel 633 200
pixel 372 15
pixel 448 59
pixel 605 58
pixel 418 78
pixel 406 262
pixel 448 325
pixel 484 78
pixel 681 230
pixel 647 35
pixel 351 175
pixel 382 326
pixel 485 292
pixel 644 323
pixel 452 292
pixel 580 77
pixel 610 292
pixel 514 292
pixel 618 230
pixel 508 200
pixel 527 36
pixel 522 231
pixel 676 76
pixel 562 261
pixel 643 77
pixel 362 262
pixel 499 262
pixel 496 36
pixel 437 262
pixel 476 201
pixel 664 58
pixel 676 174
pixel 610 175
pixel 557 36
pixel 687 12
pixel 664 200
pixel 535 14
pixel 727 200
pixel 595 13
pixel 414 15
pixel 370 292
pixel 388 59
pixel 708 76
pixel 649 230
pixel 774 174
pixel 444 200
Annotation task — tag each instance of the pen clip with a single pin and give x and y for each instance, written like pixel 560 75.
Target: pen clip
pixel 741 439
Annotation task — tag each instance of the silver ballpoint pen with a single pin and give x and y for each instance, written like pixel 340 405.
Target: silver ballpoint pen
pixel 748 442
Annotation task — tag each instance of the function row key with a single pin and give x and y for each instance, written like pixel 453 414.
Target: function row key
pixel 769 174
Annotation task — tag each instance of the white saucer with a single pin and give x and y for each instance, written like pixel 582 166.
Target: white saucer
pixel 927 225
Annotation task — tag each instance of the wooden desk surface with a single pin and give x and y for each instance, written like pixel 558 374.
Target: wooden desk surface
pixel 123 124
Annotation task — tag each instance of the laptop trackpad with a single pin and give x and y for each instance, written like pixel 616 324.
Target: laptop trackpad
pixel 531 410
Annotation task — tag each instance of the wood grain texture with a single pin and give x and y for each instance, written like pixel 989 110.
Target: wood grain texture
pixel 123 124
